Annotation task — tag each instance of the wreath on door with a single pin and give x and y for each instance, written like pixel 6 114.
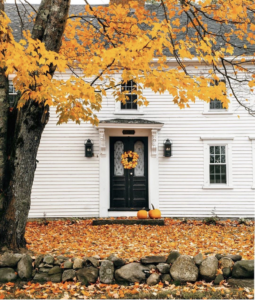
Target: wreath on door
pixel 126 162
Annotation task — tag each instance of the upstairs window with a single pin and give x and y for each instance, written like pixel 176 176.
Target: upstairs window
pixel 215 103
pixel 131 102
pixel 218 165
pixel 13 95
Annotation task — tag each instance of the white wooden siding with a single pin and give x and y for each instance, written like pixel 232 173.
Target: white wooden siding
pixel 67 183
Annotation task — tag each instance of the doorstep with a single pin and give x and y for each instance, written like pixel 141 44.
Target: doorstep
pixel 152 222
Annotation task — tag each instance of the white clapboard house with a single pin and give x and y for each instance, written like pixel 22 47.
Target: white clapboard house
pixel 211 167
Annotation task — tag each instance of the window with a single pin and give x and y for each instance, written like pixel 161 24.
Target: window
pixel 218 165
pixel 215 103
pixel 131 102
pixel 13 95
pixel 217 162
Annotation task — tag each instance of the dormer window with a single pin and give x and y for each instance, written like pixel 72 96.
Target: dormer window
pixel 215 103
pixel 131 102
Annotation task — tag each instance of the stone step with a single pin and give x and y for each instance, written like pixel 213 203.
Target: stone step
pixel 152 222
pixel 236 282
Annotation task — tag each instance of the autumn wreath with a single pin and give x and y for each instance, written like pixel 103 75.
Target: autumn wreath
pixel 125 159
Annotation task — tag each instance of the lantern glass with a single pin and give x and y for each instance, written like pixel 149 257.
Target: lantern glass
pixel 167 148
pixel 88 148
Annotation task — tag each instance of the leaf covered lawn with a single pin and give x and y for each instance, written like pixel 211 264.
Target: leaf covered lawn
pixel 78 238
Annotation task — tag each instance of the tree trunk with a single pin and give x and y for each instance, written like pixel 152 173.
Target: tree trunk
pixel 25 128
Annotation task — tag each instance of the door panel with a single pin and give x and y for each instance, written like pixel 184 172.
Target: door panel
pixel 129 188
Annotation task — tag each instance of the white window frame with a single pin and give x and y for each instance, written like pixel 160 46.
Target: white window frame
pixel 119 111
pixel 208 111
pixel 252 139
pixel 217 141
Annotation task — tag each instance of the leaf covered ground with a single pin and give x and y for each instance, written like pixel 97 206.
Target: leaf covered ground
pixel 74 290
pixel 78 238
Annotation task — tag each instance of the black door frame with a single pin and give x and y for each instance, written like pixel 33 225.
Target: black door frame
pixel 128 178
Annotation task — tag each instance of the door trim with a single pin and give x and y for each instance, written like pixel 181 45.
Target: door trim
pixel 104 170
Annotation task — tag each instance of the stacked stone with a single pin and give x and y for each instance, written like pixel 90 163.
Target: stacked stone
pixel 150 269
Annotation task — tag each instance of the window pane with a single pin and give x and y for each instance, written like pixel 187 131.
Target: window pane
pixel 211 159
pixel 212 179
pixel 217 169
pixel 223 169
pixel 217 159
pixel 212 149
pixel 223 158
pixel 217 178
pixel 212 169
pixel 222 149
pixel 139 149
pixel 223 178
pixel 118 151
pixel 217 150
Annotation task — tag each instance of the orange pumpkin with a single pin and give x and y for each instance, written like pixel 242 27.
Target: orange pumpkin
pixel 142 214
pixel 154 213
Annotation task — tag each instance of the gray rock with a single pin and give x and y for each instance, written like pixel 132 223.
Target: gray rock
pixel 96 257
pixel 241 282
pixel 48 259
pixel 38 261
pixel 48 266
pixel 41 277
pixel 41 265
pixel 90 274
pixel 153 279
pixel 234 257
pixel 198 259
pixel 133 272
pixel 33 273
pixel 90 261
pixel 68 275
pixel 68 264
pixel 118 262
pixel 55 270
pixel 184 269
pixel 166 278
pixel 172 257
pixel 106 271
pixel 9 259
pixel 57 263
pixel 7 275
pixel 56 277
pixel 151 267
pixel 62 258
pixel 24 267
pixel 154 259
pixel 44 270
pixel 226 262
pixel 218 279
pixel 219 256
pixel 78 263
pixel 243 269
pixel 208 268
pixel 226 272
pixel 163 268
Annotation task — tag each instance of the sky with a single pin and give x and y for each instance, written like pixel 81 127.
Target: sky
pixel 98 2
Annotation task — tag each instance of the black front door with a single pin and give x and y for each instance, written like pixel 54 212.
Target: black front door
pixel 129 188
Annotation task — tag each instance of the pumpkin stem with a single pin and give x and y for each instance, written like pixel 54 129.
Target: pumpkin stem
pixel 143 208
pixel 152 206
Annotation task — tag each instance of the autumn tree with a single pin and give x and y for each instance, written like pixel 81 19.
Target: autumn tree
pixel 130 40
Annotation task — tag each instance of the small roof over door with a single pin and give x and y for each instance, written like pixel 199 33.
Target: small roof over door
pixel 130 123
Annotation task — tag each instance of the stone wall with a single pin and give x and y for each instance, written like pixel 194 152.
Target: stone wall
pixel 3 128
pixel 150 269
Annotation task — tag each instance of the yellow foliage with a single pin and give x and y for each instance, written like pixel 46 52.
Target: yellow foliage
pixel 117 45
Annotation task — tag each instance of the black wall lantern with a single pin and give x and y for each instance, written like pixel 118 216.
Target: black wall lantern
pixel 89 149
pixel 167 148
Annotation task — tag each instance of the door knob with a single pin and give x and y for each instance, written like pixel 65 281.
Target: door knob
pixel 131 173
